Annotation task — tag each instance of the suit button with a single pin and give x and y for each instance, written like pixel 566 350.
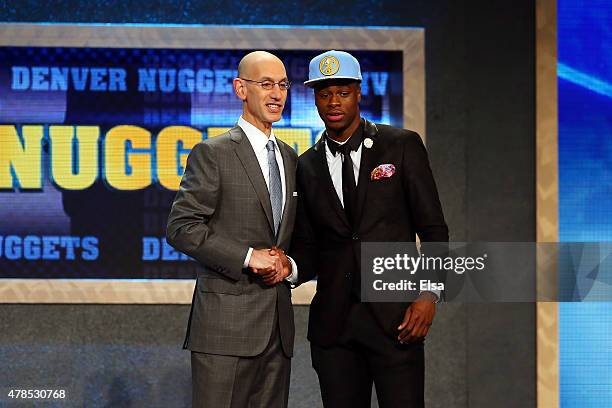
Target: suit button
pixel 355 238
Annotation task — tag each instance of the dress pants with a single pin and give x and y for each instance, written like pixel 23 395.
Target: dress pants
pixel 242 382
pixel 364 355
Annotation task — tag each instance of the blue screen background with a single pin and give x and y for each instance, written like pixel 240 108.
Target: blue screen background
pixel 585 190
pixel 53 86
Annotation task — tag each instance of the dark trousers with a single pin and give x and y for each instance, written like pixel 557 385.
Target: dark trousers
pixel 242 382
pixel 364 355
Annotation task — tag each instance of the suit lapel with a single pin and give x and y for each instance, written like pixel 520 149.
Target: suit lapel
pixel 247 157
pixel 368 160
pixel 322 169
pixel 289 167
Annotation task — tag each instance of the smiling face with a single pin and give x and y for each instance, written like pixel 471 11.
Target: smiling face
pixel 261 107
pixel 338 105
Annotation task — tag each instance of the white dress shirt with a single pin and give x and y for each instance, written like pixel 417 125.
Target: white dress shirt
pixel 334 163
pixel 259 140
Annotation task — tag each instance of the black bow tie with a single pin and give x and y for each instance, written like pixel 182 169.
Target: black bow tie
pixel 351 145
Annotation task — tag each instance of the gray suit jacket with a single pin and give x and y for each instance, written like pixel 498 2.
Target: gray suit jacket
pixel 221 209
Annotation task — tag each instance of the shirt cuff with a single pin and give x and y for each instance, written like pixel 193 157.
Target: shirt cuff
pixel 293 277
pixel 248 258
pixel 436 293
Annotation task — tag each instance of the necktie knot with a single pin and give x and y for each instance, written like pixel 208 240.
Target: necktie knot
pixel 345 149
pixel 270 145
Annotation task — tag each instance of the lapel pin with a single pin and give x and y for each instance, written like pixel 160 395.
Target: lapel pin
pixel 368 142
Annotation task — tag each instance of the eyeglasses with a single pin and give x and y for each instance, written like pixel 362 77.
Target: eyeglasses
pixel 268 85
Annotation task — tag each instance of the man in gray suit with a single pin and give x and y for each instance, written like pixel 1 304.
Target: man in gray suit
pixel 234 214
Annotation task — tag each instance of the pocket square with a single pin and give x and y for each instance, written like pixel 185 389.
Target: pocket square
pixel 382 171
pixel 295 193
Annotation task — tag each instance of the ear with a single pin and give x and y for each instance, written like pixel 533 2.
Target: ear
pixel 240 89
pixel 358 93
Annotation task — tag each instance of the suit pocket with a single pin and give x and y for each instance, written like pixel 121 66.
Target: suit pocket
pixel 215 285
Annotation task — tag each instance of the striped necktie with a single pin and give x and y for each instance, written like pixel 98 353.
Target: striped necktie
pixel 275 187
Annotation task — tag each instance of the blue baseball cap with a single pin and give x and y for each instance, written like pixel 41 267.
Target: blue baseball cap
pixel 333 65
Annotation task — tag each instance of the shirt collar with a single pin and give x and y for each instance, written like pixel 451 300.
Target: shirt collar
pixel 257 138
pixel 354 140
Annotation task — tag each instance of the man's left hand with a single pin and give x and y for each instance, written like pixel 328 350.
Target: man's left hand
pixel 417 318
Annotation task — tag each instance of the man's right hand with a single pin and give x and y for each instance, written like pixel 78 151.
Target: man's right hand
pixel 263 264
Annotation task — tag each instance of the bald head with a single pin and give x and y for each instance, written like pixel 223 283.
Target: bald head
pixel 262 103
pixel 255 59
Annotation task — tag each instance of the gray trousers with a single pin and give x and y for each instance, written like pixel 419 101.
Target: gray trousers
pixel 242 382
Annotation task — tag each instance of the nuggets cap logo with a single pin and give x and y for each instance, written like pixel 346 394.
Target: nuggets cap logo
pixel 329 65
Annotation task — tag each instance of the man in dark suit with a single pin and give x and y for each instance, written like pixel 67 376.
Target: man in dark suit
pixel 343 202
pixel 235 203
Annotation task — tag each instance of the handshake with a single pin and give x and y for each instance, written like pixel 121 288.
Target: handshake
pixel 272 265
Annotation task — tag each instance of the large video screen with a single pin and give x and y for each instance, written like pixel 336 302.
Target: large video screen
pixel 93 143
pixel 585 196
